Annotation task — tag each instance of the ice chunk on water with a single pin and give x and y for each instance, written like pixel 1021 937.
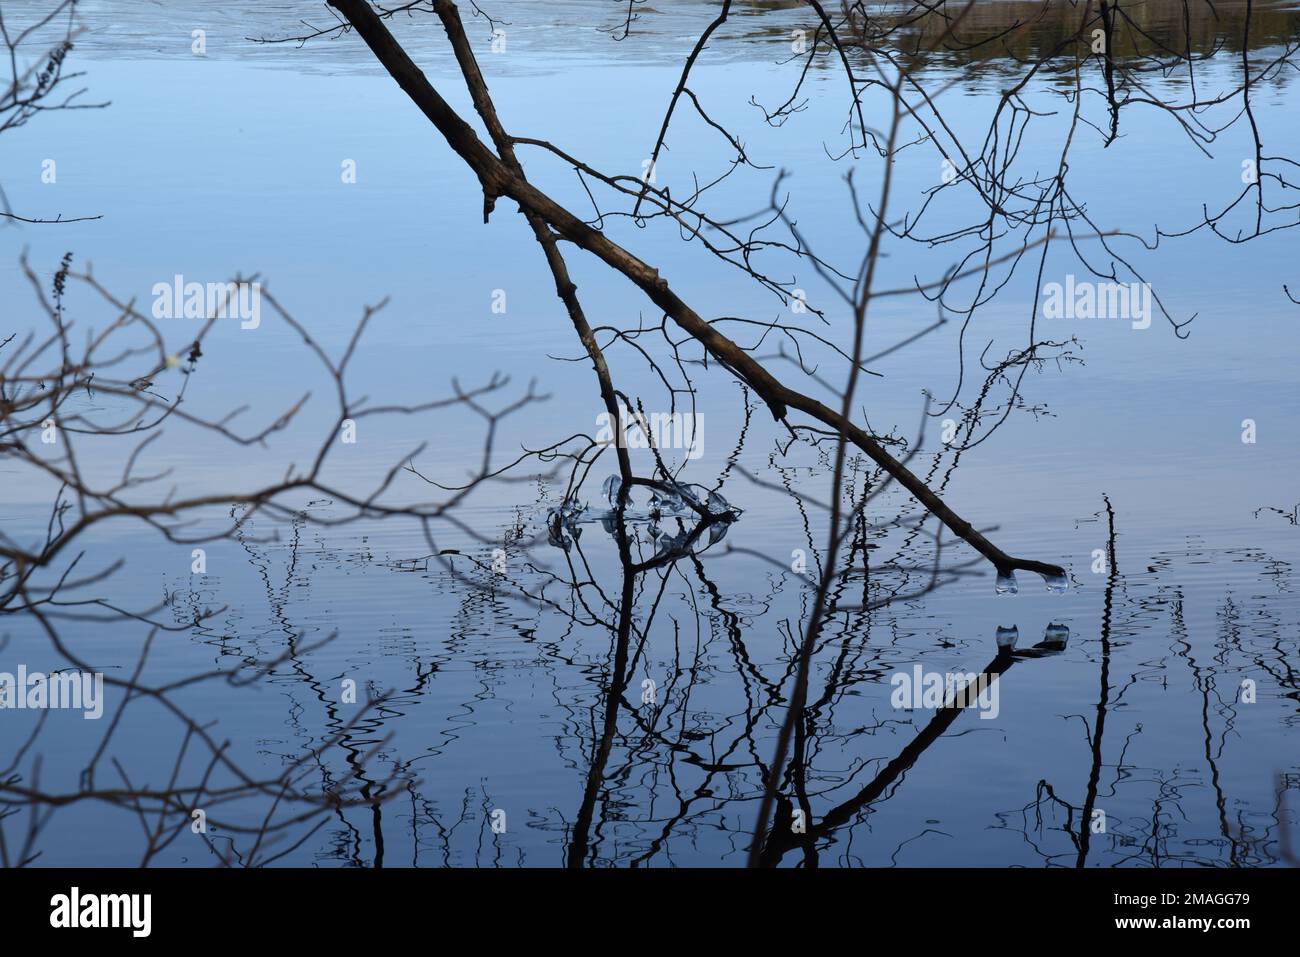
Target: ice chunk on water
pixel 611 487
pixel 1057 584
pixel 563 519
pixel 667 499
pixel 694 494
pixel 555 529
pixel 672 544
pixel 720 506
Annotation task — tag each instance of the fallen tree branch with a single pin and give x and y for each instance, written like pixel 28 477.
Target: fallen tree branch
pixel 498 178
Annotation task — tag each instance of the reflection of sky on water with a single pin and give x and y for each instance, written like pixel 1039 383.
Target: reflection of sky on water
pixel 210 167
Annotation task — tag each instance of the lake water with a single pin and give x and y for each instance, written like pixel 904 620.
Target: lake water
pixel 1172 707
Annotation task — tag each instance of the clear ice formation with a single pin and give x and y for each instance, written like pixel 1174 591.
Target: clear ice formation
pixel 1007 584
pixel 1057 584
pixel 667 500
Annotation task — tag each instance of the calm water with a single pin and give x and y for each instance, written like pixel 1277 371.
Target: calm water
pixel 1132 703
